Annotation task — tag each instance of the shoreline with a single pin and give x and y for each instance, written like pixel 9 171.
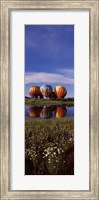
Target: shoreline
pixel 49 102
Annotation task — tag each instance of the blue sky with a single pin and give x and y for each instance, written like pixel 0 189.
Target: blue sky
pixel 49 56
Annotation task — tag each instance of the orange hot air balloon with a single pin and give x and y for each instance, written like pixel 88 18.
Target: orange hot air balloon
pixel 60 112
pixel 34 91
pixel 60 91
pixel 34 112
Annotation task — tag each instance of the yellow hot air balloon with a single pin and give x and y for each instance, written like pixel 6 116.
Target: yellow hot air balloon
pixel 34 91
pixel 60 91
pixel 60 112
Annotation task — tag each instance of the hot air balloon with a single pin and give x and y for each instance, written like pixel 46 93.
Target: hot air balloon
pixel 60 91
pixel 34 112
pixel 60 111
pixel 34 91
pixel 46 90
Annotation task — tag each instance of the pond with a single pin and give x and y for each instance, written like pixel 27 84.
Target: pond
pixel 46 112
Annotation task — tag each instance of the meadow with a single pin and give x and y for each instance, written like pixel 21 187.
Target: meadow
pixel 49 146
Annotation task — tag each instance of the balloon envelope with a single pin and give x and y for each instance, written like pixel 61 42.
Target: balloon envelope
pixel 34 91
pixel 46 90
pixel 60 91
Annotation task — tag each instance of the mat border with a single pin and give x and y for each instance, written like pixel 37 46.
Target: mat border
pixel 6 7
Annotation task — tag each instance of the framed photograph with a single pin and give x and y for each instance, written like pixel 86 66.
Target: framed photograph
pixel 49 99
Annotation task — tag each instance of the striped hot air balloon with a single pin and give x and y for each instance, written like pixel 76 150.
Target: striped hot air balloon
pixel 60 112
pixel 46 90
pixel 34 91
pixel 60 91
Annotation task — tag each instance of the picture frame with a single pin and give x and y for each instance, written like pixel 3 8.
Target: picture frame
pixel 6 7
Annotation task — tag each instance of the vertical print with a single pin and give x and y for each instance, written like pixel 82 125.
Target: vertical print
pixel 49 100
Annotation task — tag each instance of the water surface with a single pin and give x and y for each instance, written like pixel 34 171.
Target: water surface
pixel 46 112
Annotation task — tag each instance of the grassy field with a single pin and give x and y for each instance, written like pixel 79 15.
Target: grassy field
pixel 47 143
pixel 44 102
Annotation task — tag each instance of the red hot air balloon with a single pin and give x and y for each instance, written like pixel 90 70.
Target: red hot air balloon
pixel 60 91
pixel 34 91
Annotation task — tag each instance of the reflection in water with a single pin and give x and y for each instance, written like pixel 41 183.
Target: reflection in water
pixel 46 112
pixel 60 111
pixel 34 112
pixel 51 161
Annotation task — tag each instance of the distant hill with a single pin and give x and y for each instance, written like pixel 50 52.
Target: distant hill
pixel 27 97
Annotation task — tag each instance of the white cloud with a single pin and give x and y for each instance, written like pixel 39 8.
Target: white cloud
pixel 67 72
pixel 44 77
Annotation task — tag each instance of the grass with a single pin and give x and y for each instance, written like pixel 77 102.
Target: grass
pixel 46 145
pixel 44 102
